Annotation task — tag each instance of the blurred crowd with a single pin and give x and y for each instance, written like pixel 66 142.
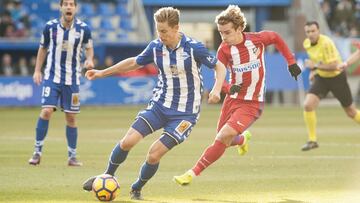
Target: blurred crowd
pixel 23 67
pixel 14 19
pixel 343 16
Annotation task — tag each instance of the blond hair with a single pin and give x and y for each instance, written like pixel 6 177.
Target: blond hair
pixel 167 14
pixel 233 15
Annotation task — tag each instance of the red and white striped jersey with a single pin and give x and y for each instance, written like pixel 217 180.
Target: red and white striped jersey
pixel 246 63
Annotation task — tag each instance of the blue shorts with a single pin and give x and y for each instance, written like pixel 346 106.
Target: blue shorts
pixel 68 95
pixel 177 125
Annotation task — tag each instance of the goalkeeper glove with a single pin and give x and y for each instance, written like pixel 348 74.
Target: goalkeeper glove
pixel 234 89
pixel 294 70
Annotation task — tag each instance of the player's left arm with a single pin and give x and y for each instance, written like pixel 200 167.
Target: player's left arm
pixel 271 37
pixel 89 49
pixel 89 61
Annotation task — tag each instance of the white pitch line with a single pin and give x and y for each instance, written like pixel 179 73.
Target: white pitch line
pixel 310 157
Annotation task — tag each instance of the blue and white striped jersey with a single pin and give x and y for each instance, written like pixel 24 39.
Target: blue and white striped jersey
pixel 64 50
pixel 179 84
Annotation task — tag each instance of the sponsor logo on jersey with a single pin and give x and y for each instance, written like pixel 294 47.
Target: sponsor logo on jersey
pixel 247 67
pixel 174 70
pixel 65 45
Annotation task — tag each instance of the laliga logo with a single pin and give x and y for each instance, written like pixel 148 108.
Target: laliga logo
pixel 16 90
pixel 139 88
pixel 85 91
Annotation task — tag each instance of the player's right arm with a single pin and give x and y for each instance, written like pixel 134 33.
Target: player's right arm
pixel 121 67
pixel 221 56
pixel 42 52
pixel 37 77
pixel 133 63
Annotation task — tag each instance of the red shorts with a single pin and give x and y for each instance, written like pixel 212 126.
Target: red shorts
pixel 239 114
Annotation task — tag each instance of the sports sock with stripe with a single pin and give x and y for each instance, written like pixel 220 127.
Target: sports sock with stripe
pixel 117 156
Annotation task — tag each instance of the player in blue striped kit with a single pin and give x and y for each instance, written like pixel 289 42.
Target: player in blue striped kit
pixel 175 104
pixel 62 42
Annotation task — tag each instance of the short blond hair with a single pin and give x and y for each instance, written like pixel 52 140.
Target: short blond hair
pixel 167 14
pixel 233 15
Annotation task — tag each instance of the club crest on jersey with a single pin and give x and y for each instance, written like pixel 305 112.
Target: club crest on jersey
pixel 182 127
pixel 247 67
pixel 256 51
pixel 75 99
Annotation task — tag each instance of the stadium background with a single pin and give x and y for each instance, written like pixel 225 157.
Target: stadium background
pixel 274 171
pixel 122 28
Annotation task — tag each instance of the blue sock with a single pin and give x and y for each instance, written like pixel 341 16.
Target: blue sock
pixel 117 156
pixel 71 136
pixel 41 131
pixel 147 171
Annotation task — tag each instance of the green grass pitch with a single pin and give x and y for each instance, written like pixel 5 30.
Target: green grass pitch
pixel 274 170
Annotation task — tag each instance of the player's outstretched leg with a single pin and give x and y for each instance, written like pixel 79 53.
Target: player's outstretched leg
pixel 185 179
pixel 118 155
pixel 244 147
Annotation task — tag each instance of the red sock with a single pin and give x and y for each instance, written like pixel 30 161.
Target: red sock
pixel 238 140
pixel 211 154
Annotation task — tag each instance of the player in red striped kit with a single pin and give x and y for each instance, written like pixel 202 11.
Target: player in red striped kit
pixel 243 54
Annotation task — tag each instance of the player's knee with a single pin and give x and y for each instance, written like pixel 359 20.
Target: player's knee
pixel 226 135
pixel 153 157
pixel 46 113
pixel 308 107
pixel 70 120
pixel 126 145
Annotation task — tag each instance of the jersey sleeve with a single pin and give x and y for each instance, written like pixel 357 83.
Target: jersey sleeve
pixel 202 55
pixel 45 37
pixel 271 37
pixel 221 56
pixel 87 37
pixel 147 55
pixel 330 52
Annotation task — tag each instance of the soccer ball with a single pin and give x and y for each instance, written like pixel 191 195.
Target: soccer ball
pixel 106 187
